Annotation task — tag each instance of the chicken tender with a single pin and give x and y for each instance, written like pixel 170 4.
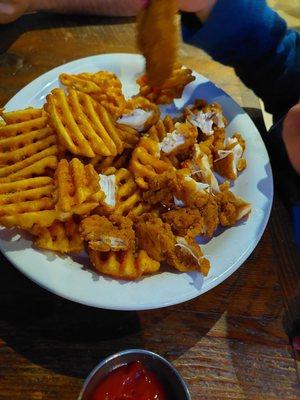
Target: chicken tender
pixel 103 234
pixel 154 236
pixel 184 221
pixel 158 38
pixel 187 256
pixel 162 189
pixel 231 208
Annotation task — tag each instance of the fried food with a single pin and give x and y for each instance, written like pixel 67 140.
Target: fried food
pixel 28 146
pixel 95 171
pixel 187 256
pixel 103 164
pixel 145 162
pixel 129 198
pixel 162 189
pixel 62 237
pixel 139 114
pixel 123 264
pixel 154 236
pixel 83 126
pixel 171 89
pixel 104 235
pixel 27 195
pixel 232 208
pixel 185 221
pixel 75 184
pixel 103 86
pixel 230 160
pixel 44 218
pixel 158 38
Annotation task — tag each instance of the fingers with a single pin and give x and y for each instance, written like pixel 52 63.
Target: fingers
pixel 291 136
pixel 10 11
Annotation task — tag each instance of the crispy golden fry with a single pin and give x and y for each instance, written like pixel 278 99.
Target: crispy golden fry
pixel 123 264
pixel 103 234
pixel 145 162
pixel 159 131
pixel 158 38
pixel 75 184
pixel 103 86
pixel 103 164
pixel 129 136
pixel 28 195
pixel 129 198
pixel 62 237
pixel 170 90
pixel 28 146
pixel 45 218
pixel 83 126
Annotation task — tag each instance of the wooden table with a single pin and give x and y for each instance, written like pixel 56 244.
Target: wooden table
pixel 228 344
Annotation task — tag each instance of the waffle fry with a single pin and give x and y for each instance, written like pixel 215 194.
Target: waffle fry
pixel 170 90
pixel 123 265
pixel 45 218
pixel 129 199
pixel 83 127
pixel 75 184
pixel 103 164
pixel 145 163
pixel 104 87
pixel 158 33
pixel 28 195
pixel 62 237
pixel 28 146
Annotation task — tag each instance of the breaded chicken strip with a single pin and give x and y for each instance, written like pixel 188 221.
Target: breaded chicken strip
pixel 187 256
pixel 185 220
pixel 162 189
pixel 231 208
pixel 103 234
pixel 154 236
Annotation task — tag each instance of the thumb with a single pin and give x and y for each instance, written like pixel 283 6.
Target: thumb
pixel 291 136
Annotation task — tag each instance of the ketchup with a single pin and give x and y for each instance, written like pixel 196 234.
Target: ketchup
pixel 130 382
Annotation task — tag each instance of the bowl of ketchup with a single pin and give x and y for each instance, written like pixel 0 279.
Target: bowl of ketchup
pixel 134 375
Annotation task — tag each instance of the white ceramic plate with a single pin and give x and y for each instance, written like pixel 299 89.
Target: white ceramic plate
pixel 71 279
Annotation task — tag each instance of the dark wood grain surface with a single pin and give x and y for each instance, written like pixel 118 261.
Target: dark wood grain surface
pixel 230 343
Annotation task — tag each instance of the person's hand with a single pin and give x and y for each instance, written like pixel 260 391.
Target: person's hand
pixel 202 8
pixel 291 136
pixel 10 10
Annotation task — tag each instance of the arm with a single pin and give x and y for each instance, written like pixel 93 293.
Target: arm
pixel 252 38
pixel 95 7
pixel 10 10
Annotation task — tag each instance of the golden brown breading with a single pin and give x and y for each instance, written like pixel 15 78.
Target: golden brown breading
pixel 106 235
pixel 231 208
pixel 162 189
pixel 154 236
pixel 187 256
pixel 158 38
pixel 185 220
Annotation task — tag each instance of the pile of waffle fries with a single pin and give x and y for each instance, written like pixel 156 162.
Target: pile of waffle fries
pixel 93 170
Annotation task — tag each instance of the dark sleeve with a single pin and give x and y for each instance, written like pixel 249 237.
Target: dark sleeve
pixel 251 37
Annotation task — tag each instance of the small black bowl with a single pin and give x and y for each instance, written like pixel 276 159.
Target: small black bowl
pixel 176 388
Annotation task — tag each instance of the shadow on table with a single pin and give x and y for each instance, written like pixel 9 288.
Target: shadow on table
pixel 71 339
pixel 9 33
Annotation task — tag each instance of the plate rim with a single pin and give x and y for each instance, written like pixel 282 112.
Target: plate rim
pixel 143 306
